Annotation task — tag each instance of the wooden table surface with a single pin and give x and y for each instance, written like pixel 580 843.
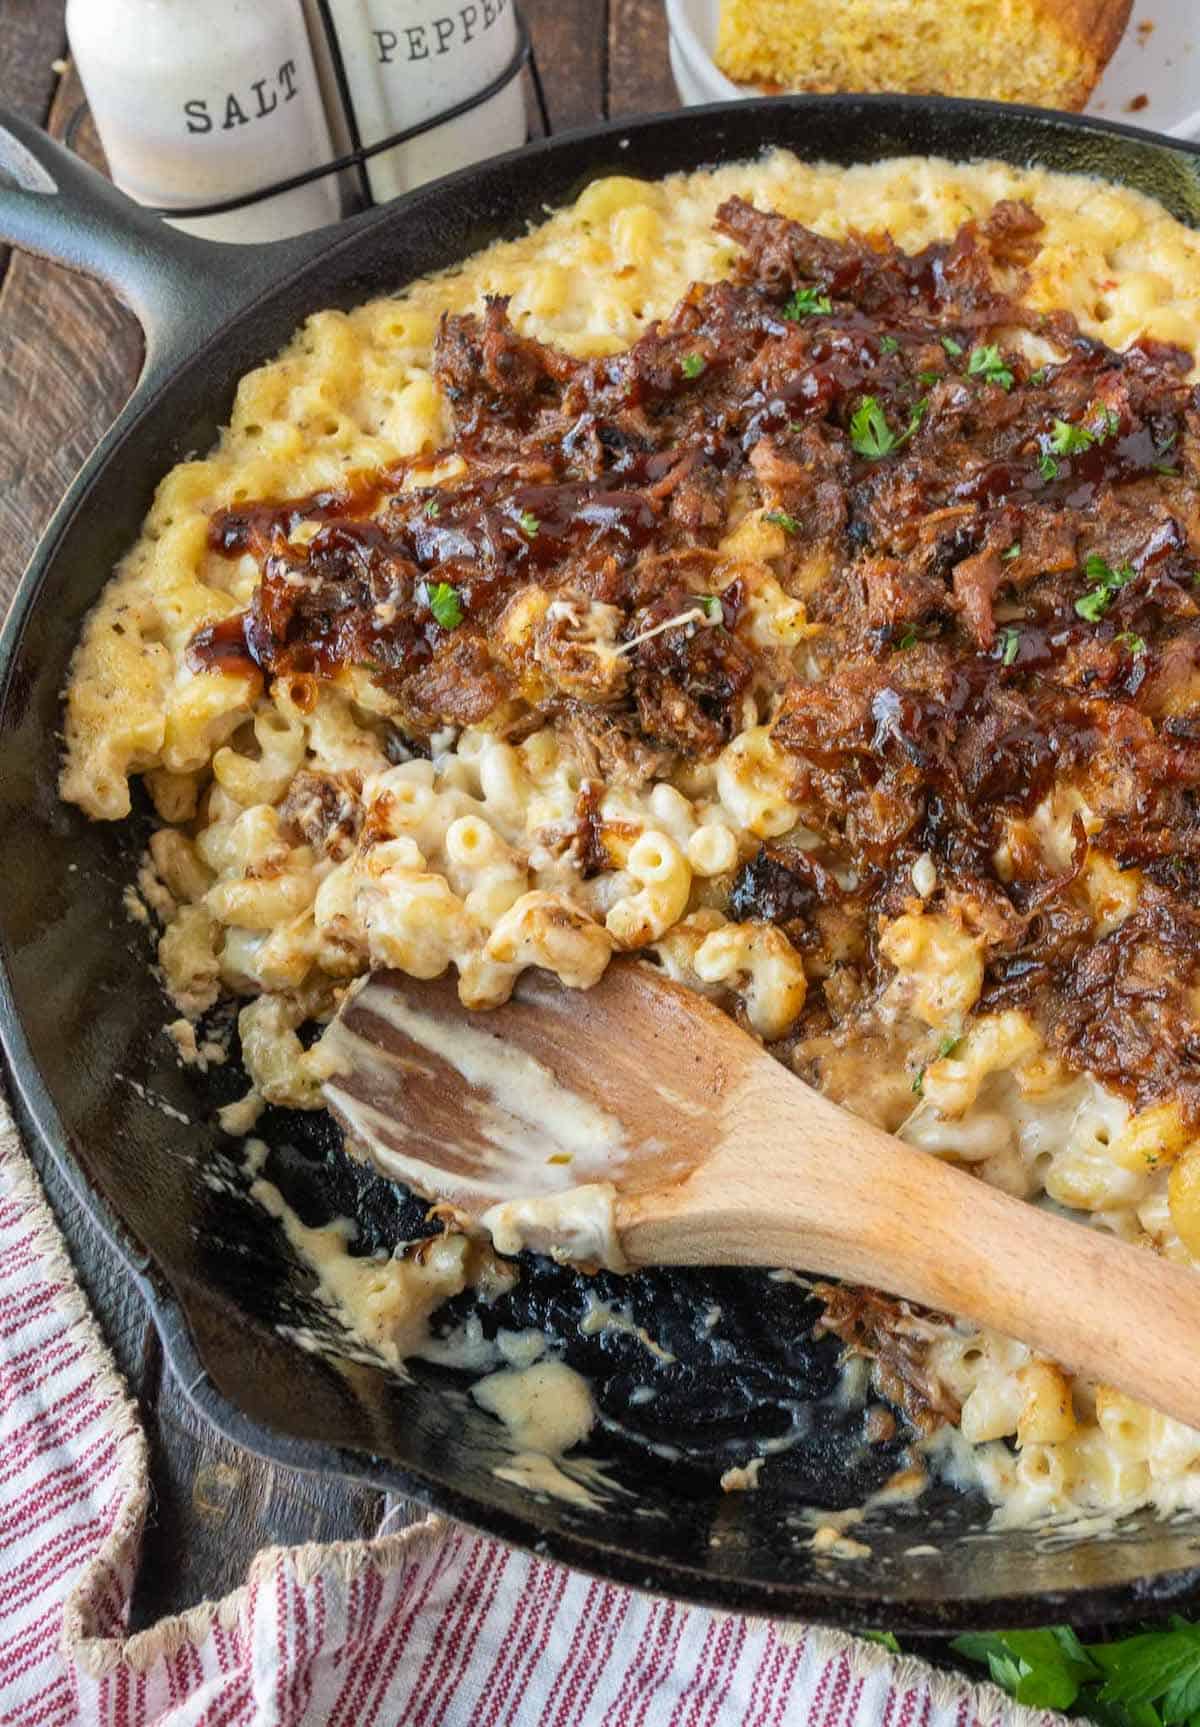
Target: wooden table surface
pixel 68 357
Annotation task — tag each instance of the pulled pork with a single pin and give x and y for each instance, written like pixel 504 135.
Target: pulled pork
pixel 1007 597
pixel 895 1339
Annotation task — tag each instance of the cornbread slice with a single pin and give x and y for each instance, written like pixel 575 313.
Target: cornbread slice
pixel 1046 52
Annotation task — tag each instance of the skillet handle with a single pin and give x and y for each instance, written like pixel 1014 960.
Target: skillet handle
pixel 181 288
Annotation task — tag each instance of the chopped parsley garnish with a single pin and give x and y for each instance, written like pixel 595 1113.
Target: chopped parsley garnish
pixel 1047 466
pixel 1097 570
pixel 693 365
pixel 433 508
pixel 710 605
pixel 1068 440
pixel 781 519
pixel 1013 551
pixel 908 639
pixel 888 344
pixel 1110 425
pixel 528 524
pixel 987 363
pixel 946 1046
pixel 870 433
pixel 1162 466
pixel 444 603
pixel 928 379
pixel 1104 584
pixel 1134 643
pixel 951 346
pixel 1038 377
pixel 805 302
pixel 1093 606
pixel 1011 645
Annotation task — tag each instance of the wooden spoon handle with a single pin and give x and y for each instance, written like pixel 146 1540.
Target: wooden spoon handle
pixel 867 1208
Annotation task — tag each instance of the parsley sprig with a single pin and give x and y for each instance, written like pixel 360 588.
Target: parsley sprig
pixel 988 363
pixel 806 303
pixel 1104 583
pixel 781 519
pixel 870 433
pixel 693 365
pixel 947 1044
pixel 1151 1679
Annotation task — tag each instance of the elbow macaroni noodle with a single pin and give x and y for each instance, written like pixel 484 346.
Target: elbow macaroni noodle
pixel 297 850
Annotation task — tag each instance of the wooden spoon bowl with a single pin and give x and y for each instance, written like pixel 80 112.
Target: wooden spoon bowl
pixel 634 1125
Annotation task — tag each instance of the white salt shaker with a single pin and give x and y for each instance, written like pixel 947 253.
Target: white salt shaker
pixel 405 61
pixel 197 101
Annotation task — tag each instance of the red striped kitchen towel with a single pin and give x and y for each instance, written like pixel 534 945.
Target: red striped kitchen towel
pixel 434 1627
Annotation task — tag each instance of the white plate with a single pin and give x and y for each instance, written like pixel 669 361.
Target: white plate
pixel 1152 80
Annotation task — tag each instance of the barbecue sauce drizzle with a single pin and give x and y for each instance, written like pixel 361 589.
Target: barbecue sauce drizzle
pixel 959 679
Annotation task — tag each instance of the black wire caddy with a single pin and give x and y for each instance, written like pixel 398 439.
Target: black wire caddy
pixel 354 160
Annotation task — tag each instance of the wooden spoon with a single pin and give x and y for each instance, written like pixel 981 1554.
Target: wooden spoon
pixel 634 1124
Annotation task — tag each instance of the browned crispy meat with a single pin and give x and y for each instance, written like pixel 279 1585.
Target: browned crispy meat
pixel 609 748
pixel 1121 1006
pixel 323 811
pixel 492 373
pixel 782 884
pixel 1001 558
pixel 896 1341
pixel 780 256
pixel 688 685
pixel 591 853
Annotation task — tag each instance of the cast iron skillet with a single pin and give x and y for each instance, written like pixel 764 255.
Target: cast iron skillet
pixel 81 1015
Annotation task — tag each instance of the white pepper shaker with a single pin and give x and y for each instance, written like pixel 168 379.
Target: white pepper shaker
pixel 197 101
pixel 406 61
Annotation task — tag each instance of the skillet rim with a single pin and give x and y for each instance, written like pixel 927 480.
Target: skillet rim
pixel 38 1114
